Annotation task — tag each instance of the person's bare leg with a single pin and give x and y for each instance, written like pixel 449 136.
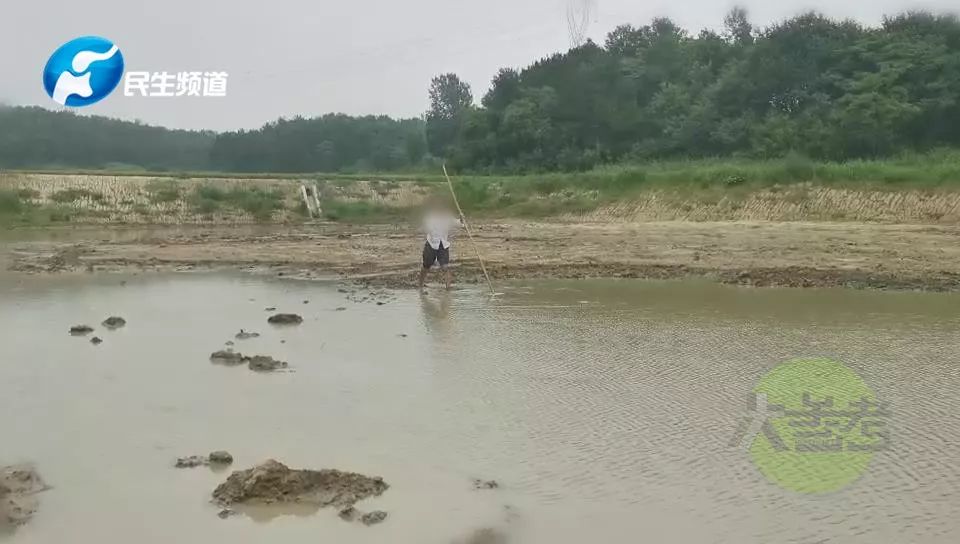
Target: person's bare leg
pixel 423 277
pixel 448 277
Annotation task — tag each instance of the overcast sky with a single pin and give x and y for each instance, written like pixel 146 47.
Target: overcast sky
pixel 308 57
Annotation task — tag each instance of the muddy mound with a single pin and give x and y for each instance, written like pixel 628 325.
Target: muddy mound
pixel 370 518
pixel 479 484
pixel 216 458
pixel 285 319
pixel 257 363
pixel 264 363
pixel 274 482
pixel 18 488
pixel 192 461
pixel 114 322
pixel 81 330
pixel 227 357
pixel 220 457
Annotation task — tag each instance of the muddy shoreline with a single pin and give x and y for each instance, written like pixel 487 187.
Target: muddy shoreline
pixel 762 254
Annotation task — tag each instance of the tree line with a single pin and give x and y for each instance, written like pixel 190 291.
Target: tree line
pixel 813 86
pixel 809 85
pixel 33 137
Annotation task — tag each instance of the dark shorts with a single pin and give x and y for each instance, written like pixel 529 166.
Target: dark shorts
pixel 440 256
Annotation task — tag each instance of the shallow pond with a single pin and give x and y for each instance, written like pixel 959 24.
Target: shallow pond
pixel 604 409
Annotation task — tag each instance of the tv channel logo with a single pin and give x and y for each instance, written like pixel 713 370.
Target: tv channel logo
pixel 83 71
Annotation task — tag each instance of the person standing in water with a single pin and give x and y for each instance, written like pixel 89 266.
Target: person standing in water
pixel 438 223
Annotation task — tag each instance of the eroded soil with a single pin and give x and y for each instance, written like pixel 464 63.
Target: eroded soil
pixel 751 253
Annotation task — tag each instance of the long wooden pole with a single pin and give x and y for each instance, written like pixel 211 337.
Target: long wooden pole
pixel 466 226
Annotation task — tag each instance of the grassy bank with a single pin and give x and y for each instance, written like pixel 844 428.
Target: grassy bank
pixel 44 199
pixel 697 181
pixel 699 190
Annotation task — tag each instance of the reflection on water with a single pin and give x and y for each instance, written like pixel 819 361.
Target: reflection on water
pixel 435 312
pixel 604 409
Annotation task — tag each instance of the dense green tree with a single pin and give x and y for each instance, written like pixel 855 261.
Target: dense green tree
pixel 330 143
pixel 450 100
pixel 737 26
pixel 808 85
pixel 38 138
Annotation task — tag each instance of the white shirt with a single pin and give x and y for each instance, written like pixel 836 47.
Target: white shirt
pixel 437 226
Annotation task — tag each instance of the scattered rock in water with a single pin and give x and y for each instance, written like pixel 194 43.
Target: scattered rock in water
pixel 380 303
pixel 341 309
pixel 273 482
pixel 306 302
pixel 479 484
pixel 257 363
pixel 373 518
pixel 220 457
pixel 226 513
pixel 229 343
pixel 19 485
pixel 227 357
pixel 114 322
pixel 21 480
pixel 96 340
pixel 194 461
pixel 81 330
pixel 285 319
pixel 244 335
pixel 402 335
pixel 271 309
pixel 350 514
pixel 264 363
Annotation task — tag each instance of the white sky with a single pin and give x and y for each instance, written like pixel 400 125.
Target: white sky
pixel 308 57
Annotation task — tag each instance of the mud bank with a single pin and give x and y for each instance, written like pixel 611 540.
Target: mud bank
pixel 858 255
pixel 19 486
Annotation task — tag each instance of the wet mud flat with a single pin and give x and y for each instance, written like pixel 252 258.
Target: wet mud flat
pixel 558 413
pixel 763 254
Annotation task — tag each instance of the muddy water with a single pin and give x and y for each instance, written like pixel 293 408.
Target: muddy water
pixel 604 409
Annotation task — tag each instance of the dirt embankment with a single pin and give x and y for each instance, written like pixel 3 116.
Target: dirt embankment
pixel 750 253
pixel 796 202
pixel 105 199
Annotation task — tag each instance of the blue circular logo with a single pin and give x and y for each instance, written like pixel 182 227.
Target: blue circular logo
pixel 83 71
